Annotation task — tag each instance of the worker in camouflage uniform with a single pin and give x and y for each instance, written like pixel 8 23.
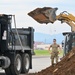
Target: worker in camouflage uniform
pixel 55 52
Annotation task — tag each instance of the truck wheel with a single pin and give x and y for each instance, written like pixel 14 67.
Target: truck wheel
pixel 25 63
pixel 15 67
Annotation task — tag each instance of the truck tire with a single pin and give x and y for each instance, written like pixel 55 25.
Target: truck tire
pixel 15 67
pixel 25 63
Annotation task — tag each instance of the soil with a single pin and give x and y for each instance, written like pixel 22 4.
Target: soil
pixel 65 67
pixel 39 15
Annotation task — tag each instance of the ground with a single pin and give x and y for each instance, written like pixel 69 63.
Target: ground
pixel 39 63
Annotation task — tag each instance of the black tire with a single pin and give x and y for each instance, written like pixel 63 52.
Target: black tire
pixel 15 67
pixel 25 63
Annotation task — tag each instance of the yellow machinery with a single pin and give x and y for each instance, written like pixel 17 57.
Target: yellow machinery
pixel 48 15
pixel 68 18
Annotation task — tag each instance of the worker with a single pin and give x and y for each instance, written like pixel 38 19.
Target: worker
pixel 55 52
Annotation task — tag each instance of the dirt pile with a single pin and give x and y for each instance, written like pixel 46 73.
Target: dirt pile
pixel 65 67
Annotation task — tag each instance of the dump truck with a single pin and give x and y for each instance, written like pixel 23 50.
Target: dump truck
pixel 48 15
pixel 16 46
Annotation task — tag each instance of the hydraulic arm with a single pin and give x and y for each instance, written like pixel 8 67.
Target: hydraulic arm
pixel 48 15
pixel 67 18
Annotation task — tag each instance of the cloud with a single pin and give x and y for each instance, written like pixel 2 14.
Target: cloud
pixel 21 7
pixel 10 1
pixel 43 2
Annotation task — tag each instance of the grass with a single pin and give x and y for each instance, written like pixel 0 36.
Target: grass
pixel 41 52
pixel 46 52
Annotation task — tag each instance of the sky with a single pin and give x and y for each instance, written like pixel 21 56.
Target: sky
pixel 20 8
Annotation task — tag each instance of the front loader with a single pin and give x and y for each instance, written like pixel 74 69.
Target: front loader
pixel 48 15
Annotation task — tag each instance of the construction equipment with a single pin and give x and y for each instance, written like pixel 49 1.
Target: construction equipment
pixel 44 15
pixel 48 15
pixel 16 46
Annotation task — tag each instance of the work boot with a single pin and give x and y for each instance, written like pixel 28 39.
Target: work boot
pixel 52 61
pixel 53 64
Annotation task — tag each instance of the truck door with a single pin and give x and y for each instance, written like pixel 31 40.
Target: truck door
pixel 4 22
pixel 67 44
pixel 73 40
pixel 3 29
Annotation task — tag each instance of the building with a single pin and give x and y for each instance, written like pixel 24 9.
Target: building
pixel 43 46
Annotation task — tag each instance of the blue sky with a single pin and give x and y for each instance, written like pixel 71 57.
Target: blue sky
pixel 20 8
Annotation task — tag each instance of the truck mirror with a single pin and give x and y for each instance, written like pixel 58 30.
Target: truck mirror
pixel 62 44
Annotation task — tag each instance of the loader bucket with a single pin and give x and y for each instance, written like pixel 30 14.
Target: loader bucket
pixel 44 15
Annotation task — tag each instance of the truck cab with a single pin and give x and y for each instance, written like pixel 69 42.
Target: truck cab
pixel 69 41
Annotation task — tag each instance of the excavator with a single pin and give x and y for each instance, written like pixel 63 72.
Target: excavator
pixel 48 15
